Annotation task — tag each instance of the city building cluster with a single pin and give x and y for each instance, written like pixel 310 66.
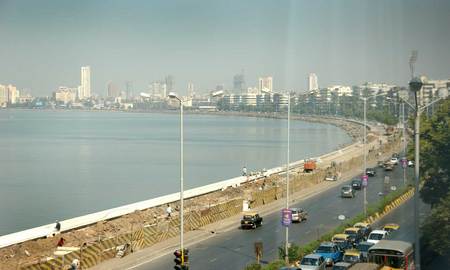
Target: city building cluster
pixel 262 96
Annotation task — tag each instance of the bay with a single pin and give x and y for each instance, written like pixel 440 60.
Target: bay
pixel 56 165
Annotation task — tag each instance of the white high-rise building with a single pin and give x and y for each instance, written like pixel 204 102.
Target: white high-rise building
pixel 312 82
pixel 85 83
pixel 265 85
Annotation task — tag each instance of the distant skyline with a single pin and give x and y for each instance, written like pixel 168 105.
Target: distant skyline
pixel 45 43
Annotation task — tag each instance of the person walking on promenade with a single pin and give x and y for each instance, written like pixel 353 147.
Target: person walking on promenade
pixel 244 171
pixel 169 211
pixel 58 226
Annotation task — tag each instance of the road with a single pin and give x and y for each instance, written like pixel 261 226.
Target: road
pixel 235 248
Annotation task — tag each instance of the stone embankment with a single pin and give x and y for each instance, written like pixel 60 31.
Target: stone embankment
pixel 99 242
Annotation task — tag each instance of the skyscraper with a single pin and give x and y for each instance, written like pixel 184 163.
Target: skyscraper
pixel 113 90
pixel 129 89
pixel 239 83
pixel 312 82
pixel 265 84
pixel 169 81
pixel 85 83
pixel 190 90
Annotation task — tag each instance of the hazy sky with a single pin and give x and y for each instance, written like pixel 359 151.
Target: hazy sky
pixel 43 44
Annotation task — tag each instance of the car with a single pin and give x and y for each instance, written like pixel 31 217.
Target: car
pixel 356 183
pixel 394 160
pixel 410 163
pixel 342 266
pixel 355 234
pixel 347 192
pixel 365 228
pixel 331 177
pixel 376 235
pixel 299 215
pixel 330 252
pixel 352 256
pixel 390 227
pixel 312 262
pixel 342 240
pixel 388 167
pixel 396 155
pixel 371 172
pixel 380 163
pixel 363 247
pixel 251 220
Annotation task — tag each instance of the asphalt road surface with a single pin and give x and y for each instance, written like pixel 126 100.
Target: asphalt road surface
pixel 234 249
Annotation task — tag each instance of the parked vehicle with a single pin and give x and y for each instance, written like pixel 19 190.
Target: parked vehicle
pixel 410 163
pixel 330 251
pixel 376 235
pixel 371 172
pixel 347 192
pixel 357 183
pixel 342 240
pixel 365 228
pixel 331 177
pixel 380 163
pixel 363 247
pixel 313 262
pixel 355 234
pixel 299 215
pixel 251 220
pixel 309 165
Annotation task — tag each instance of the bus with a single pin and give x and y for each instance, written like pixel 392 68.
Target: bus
pixel 393 255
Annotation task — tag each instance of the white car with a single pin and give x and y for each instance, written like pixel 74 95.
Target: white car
pixel 376 235
pixel 394 160
pixel 410 163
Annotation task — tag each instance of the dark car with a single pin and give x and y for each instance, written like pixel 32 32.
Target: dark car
pixel 356 183
pixel 371 172
pixel 388 167
pixel 251 220
pixel 347 191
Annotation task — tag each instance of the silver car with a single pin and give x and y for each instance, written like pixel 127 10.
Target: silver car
pixel 347 191
pixel 312 262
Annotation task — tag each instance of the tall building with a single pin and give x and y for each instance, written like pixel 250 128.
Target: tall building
pixel 3 96
pixel 85 83
pixel 169 81
pixel 129 89
pixel 158 89
pixel 239 83
pixel 190 90
pixel 113 90
pixel 312 82
pixel 265 85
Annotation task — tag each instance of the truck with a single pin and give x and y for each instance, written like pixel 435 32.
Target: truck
pixel 309 165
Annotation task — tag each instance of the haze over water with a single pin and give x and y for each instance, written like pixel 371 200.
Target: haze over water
pixel 58 165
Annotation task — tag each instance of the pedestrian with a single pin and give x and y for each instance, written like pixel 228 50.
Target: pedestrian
pixel 169 211
pixel 244 171
pixel 61 242
pixel 58 226
pixel 75 264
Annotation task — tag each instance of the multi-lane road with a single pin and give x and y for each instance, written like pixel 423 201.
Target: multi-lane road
pixel 233 249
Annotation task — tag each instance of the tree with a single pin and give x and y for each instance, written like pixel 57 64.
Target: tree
pixel 435 154
pixel 436 229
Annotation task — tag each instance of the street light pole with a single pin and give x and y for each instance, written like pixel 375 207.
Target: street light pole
pixel 181 183
pixel 173 95
pixel 365 154
pixel 286 258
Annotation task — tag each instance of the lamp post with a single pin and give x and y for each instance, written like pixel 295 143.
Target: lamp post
pixel 286 252
pixel 415 85
pixel 364 148
pixel 175 96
